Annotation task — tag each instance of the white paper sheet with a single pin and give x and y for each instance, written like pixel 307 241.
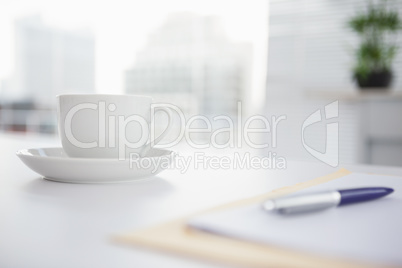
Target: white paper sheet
pixel 369 231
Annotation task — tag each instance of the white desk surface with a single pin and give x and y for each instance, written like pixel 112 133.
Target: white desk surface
pixel 49 224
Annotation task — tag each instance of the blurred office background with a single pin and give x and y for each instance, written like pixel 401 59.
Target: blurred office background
pixel 278 57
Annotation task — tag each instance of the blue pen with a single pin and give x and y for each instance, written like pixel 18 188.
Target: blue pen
pixel 323 200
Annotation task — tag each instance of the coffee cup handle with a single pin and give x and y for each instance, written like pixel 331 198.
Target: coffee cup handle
pixel 149 145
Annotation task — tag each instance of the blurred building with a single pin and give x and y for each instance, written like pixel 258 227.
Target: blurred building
pixel 189 61
pixel 48 62
pixel 51 61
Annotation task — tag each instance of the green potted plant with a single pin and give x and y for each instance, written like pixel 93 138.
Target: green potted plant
pixel 377 28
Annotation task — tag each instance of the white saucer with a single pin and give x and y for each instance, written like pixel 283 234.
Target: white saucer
pixel 53 164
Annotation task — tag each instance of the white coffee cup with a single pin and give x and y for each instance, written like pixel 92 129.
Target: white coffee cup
pixel 107 126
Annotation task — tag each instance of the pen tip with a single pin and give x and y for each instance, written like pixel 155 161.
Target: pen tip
pixel 388 190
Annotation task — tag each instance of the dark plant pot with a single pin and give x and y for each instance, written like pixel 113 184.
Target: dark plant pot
pixel 380 79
